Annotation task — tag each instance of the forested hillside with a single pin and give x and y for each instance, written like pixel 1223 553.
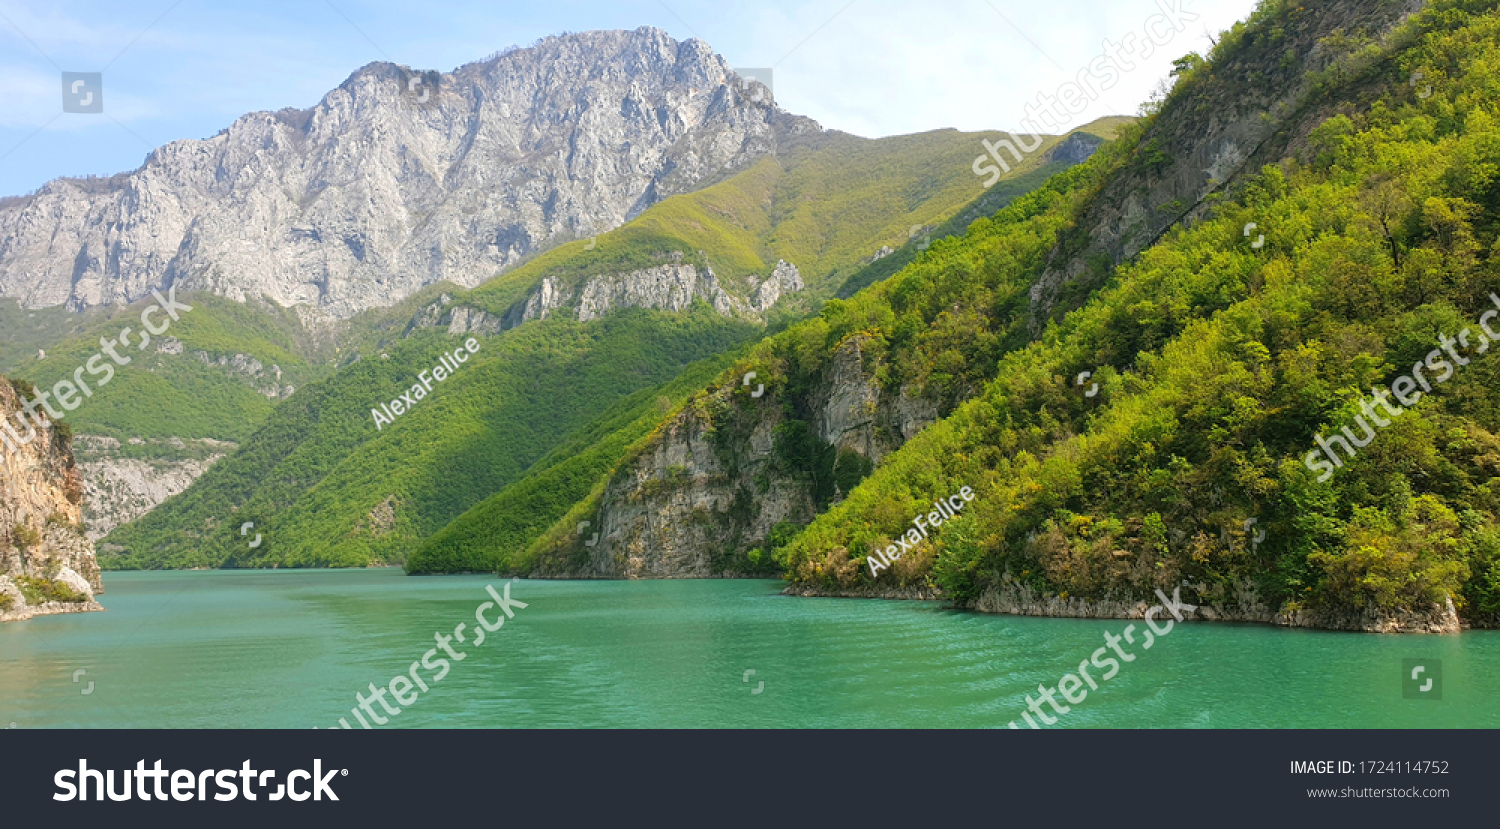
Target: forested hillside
pixel 1221 358
pixel 326 487
pixel 1158 435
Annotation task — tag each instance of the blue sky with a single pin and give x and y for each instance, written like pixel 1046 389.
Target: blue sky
pixel 187 68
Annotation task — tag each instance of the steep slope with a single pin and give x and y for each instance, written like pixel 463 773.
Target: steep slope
pixel 497 529
pixel 841 391
pixel 1261 95
pixel 46 563
pixel 400 179
pixel 326 483
pixel 1298 428
pixel 1159 437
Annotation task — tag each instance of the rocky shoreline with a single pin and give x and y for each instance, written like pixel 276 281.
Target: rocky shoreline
pixel 871 591
pixel 14 607
pixel 1020 600
pixel 25 611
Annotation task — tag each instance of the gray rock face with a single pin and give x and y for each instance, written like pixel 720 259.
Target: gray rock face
pixel 246 366
pixel 708 482
pixel 667 515
pixel 547 298
pixel 674 287
pixel 41 544
pixel 396 180
pixel 667 288
pixel 670 287
pixel 117 489
pixel 465 320
pixel 784 279
pixel 1077 148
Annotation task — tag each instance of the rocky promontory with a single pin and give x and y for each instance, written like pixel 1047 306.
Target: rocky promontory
pixel 47 562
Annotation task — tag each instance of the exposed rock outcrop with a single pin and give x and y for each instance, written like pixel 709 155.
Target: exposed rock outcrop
pixel 709 485
pixel 1077 148
pixel 399 179
pixel 267 380
pixel 465 320
pixel 547 298
pixel 669 287
pixel 47 564
pixel 117 489
pixel 784 279
pixel 674 287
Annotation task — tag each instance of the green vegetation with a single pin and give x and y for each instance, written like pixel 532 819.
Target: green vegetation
pixel 542 412
pixel 25 538
pixel 494 534
pixel 937 329
pixel 28 331
pixel 1218 364
pixel 325 488
pixel 39 591
pixel 161 394
pixel 1001 194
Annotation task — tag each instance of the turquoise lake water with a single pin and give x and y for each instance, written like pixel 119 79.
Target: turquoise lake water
pixel 290 649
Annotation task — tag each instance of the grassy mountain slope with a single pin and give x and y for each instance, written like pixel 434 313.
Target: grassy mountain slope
pixel 326 488
pixel 28 330
pixel 495 531
pixel 827 209
pixel 1219 364
pixel 183 390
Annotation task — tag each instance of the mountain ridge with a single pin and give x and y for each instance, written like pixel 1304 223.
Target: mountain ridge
pixel 377 191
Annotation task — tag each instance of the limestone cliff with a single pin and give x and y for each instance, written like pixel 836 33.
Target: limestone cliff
pixel 717 478
pixel 672 286
pixel 46 562
pixel 122 483
pixel 399 179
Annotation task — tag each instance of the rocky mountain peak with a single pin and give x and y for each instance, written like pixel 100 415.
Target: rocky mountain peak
pixel 399 178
